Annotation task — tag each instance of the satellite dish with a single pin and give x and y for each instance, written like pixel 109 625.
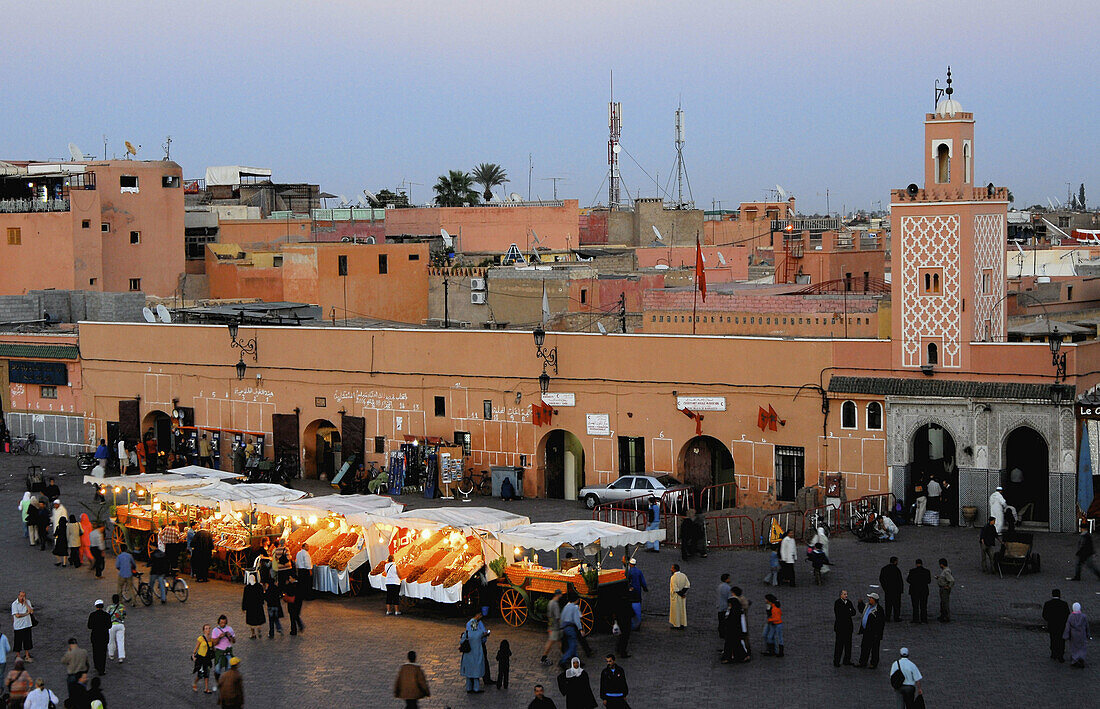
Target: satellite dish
pixel 535 237
pixel 657 232
pixel 603 330
pixel 163 314
pixel 661 267
pixel 343 200
pixel 371 197
pixel 494 197
pixel 75 152
pixel 130 149
pixel 1051 203
pixel 721 258
pixel 148 315
pixel 781 192
pixel 448 240
pixel 515 197
pixel 345 240
pixel 369 240
pixel 617 149
pixel 912 189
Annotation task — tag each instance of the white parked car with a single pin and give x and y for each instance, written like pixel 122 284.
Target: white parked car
pixel 629 487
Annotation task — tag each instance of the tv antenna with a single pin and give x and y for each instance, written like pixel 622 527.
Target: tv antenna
pixel 167 146
pixel 130 149
pixel 74 152
pixel 615 127
pixel 104 147
pixel 555 180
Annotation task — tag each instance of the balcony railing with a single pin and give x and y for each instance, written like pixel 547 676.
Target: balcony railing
pixel 819 224
pixel 33 205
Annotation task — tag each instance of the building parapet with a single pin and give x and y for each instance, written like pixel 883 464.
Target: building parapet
pixel 10 206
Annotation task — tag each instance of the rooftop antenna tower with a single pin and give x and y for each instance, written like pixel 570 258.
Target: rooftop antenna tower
pixel 167 148
pixel 681 168
pixel 615 127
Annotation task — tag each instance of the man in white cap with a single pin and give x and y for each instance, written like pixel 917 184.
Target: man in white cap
pixel 997 504
pixel 59 512
pixel 871 624
pixel 99 622
pixel 905 679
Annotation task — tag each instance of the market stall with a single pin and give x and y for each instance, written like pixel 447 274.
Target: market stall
pixel 525 585
pixel 440 552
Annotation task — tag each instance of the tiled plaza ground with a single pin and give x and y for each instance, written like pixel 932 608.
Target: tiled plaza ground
pixel 994 654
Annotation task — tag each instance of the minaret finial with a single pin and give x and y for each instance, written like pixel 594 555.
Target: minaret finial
pixel 949 90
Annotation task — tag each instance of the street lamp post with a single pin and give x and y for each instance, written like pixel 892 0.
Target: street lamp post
pixel 548 355
pixel 1057 357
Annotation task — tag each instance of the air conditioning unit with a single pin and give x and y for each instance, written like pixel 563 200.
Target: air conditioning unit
pixel 477 284
pixel 477 297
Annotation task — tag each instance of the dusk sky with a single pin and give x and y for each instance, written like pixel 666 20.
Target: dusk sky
pixel 809 95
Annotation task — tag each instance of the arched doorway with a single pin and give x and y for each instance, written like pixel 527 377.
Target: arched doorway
pixel 934 456
pixel 706 461
pixel 321 442
pixel 1026 477
pixel 159 425
pixel 563 464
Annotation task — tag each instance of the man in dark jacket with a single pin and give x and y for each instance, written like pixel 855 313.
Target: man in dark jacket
pixel 1084 554
pixel 231 686
pixel 987 540
pixel 871 624
pixel 99 622
pixel 919 579
pixel 613 689
pixel 843 611
pixel 889 578
pixel 1055 614
pixel 202 546
pixel 624 616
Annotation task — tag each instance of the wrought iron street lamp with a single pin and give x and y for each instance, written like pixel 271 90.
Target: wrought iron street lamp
pixel 1057 357
pixel 549 355
pixel 246 346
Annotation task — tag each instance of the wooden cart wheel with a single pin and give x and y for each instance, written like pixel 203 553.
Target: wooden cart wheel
pixel 588 615
pixel 355 582
pixel 151 544
pixel 235 559
pixel 118 538
pixel 513 607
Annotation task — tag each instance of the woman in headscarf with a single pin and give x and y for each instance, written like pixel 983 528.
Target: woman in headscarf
pixel 576 687
pixel 252 603
pixel 76 540
pixel 23 505
pixel 823 539
pixel 86 538
pixel 1077 633
pixel 61 541
pixel 473 660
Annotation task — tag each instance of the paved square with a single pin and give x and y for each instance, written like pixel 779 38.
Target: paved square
pixel 994 653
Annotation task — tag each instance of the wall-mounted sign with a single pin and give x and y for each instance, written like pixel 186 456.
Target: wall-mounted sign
pixel 320 402
pixel 48 373
pixel 557 398
pixel 701 403
pixel 597 424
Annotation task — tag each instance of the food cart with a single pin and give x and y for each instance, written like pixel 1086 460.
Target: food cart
pixel 526 586
pixel 137 521
pixel 335 527
pixel 440 552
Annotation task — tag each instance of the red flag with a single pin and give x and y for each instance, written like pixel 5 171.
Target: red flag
pixel 773 418
pixel 536 414
pixel 700 272
pixel 762 418
pixel 547 414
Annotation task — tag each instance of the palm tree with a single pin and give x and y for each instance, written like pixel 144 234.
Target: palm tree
pixel 489 175
pixel 455 189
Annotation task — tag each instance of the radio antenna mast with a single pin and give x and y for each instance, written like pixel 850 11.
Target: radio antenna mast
pixel 681 168
pixel 615 126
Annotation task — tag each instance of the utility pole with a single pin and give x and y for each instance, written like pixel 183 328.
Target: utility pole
pixel 622 312
pixel 530 173
pixel 446 306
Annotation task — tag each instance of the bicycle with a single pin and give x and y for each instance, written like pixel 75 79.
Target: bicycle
pixel 483 483
pixel 179 587
pixel 144 590
pixel 28 445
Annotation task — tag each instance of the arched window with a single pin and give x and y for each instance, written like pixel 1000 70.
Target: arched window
pixel 966 161
pixel 933 353
pixel 848 415
pixel 874 416
pixel 943 164
pixel 935 282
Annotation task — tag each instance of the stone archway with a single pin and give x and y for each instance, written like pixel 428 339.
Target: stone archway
pixel 705 461
pixel 562 458
pixel 321 443
pixel 933 454
pixel 1026 474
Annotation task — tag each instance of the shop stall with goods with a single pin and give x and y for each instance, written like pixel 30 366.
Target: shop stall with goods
pixel 525 584
pixel 440 553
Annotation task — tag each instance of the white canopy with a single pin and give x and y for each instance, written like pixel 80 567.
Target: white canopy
pixel 200 471
pixel 232 174
pixel 357 509
pixel 159 482
pixel 483 518
pixel 548 536
pixel 233 497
